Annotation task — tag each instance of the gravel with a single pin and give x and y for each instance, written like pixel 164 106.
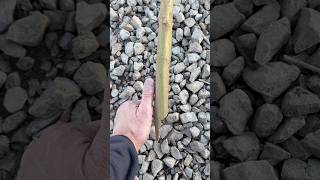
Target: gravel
pixel 264 107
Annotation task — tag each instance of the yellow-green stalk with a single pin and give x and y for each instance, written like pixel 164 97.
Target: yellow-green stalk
pixel 163 63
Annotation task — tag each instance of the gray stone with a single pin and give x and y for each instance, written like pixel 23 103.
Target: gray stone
pixel 266 120
pixel 91 77
pixel 195 86
pixel 184 96
pixel 169 161
pixel 11 122
pixel 307 32
pixel 195 74
pixel 14 99
pixel 84 45
pixel 132 3
pixel 156 166
pixel 299 101
pixel 140 32
pixel 197 146
pixel 89 16
pixel 233 71
pixel 127 92
pixel 179 67
pixel 138 48
pixel 243 147
pixel 175 153
pixel 188 117
pixel 29 30
pixel 164 130
pixel 193 57
pixel 7 8
pixel 195 132
pixel 118 71
pixel 147 176
pixel 195 47
pixel 197 35
pixel 235 110
pixel 190 22
pixel 172 117
pixel 136 22
pixel 179 34
pixel 165 147
pixel 227 18
pixel 113 15
pixel 124 34
pixel 129 49
pixel 271 40
pixel 59 96
pixel 272 79
pixel 274 154
pixel 251 170
pixel 289 127
pixel 223 52
pixel 262 18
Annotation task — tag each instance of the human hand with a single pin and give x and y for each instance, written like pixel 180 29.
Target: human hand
pixel 67 151
pixel 134 118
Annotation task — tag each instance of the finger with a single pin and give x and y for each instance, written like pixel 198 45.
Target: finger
pixel 147 94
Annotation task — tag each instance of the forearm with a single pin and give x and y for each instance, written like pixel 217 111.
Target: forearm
pixel 123 159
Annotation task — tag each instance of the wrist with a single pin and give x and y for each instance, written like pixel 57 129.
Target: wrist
pixel 131 139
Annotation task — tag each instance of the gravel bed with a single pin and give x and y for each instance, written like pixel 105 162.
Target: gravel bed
pixel 51 59
pixel 183 150
pixel 265 109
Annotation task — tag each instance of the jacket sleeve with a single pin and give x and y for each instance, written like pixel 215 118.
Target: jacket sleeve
pixel 123 159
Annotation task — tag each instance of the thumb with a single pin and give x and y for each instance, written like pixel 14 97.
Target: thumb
pixel 147 95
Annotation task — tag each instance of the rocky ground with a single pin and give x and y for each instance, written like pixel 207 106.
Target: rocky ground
pixel 183 151
pixel 266 120
pixel 52 58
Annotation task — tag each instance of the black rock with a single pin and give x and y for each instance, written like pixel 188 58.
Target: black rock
pixel 13 80
pixel 312 124
pixel 14 99
pixel 48 4
pixel 312 143
pixel 244 6
pixel 289 127
pixel 271 40
pixel 3 78
pixel 29 30
pixel 57 20
pixel 91 77
pixel 243 147
pixel 10 48
pixel 307 31
pixel 274 154
pixel 67 5
pixel 227 18
pixel 80 112
pixel 25 63
pixel 313 169
pixel 235 110
pixel 296 149
pixel 13 121
pixel 294 169
pixel 223 52
pixel 299 101
pixel 251 170
pixel 84 45
pixel 233 71
pixel 6 13
pixel 218 89
pixel 291 8
pixel 4 145
pixel 266 120
pixel 262 19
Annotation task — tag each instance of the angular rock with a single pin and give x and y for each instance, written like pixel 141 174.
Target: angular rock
pixel 266 120
pixel 307 31
pixel 175 153
pixel 244 6
pixel 215 169
pixel 48 4
pixel 84 45
pixel 313 169
pixel 227 18
pixel 262 18
pixel 312 143
pixel 184 96
pixel 299 101
pixel 197 146
pixel 57 20
pixel 223 52
pixel 274 154
pixel 29 30
pixel 156 166
pixel 291 8
pixel 14 99
pixel 243 147
pixel 7 8
pixel 4 145
pixel 13 121
pixel 138 48
pixel 59 96
pixel 289 127
pixel 251 170
pixel 235 110
pixel 271 40
pixel 91 77
pixel 169 161
pixel 25 63
pixel 11 49
pixel 233 71
pixel 80 113
pixel 89 16
pixel 127 92
pixel 188 117
pixel 195 86
pixel 312 124
pixel 313 84
pixel 295 148
pixel 272 79
pixel 294 169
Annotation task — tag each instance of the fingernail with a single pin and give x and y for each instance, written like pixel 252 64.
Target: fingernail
pixel 149 83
